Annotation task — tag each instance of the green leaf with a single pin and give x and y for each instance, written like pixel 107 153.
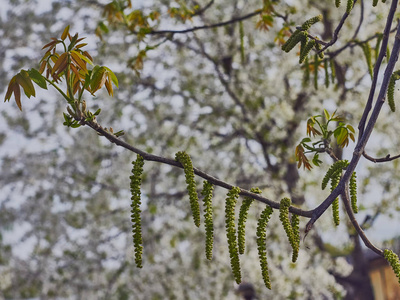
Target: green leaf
pixel 98 78
pixel 73 41
pixel 103 27
pixel 305 140
pixel 37 78
pixel 349 127
pixel 326 115
pixel 316 160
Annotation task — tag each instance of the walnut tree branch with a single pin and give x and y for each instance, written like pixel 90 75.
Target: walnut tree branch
pixel 357 227
pixel 151 157
pixel 379 160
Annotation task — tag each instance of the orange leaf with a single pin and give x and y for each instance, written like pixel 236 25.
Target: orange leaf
pixel 80 45
pixel 42 67
pixel 51 45
pixel 109 87
pixel 17 94
pixel 79 62
pixel 10 89
pixel 75 71
pixel 87 55
pixel 61 68
pixel 60 62
pixel 65 33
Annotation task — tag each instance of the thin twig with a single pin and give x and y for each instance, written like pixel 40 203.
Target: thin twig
pixel 357 227
pixel 337 30
pixel 231 21
pixel 379 160
pixel 202 10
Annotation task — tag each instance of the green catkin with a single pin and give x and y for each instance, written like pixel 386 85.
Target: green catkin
pixel 186 162
pixel 303 43
pixel 244 210
pixel 335 168
pixel 333 70
pixel 393 260
pixel 387 54
pixel 390 91
pixel 290 39
pixel 306 75
pixel 291 43
pixel 335 204
pixel 316 64
pixel 230 204
pixel 318 47
pixel 337 3
pixel 295 222
pixel 261 243
pixel 135 182
pixel 378 45
pixel 326 65
pixel 353 192
pixel 374 3
pixel 367 52
pixel 306 50
pixel 307 24
pixel 208 217
pixel 284 217
pixel 241 34
pixel 349 6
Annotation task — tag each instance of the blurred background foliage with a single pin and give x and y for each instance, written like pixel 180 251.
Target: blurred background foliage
pixel 237 105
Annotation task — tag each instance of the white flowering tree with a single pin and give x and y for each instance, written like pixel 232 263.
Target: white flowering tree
pixel 240 95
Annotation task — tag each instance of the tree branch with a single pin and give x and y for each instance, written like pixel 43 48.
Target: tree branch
pixel 357 227
pixel 150 157
pixel 231 21
pixel 382 54
pixel 379 160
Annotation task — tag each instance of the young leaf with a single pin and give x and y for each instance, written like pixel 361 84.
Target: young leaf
pixel 65 33
pixel 73 42
pixel 113 77
pixel 81 56
pixel 17 95
pixel 98 78
pixel 26 83
pixel 37 78
pixel 78 61
pixel 61 63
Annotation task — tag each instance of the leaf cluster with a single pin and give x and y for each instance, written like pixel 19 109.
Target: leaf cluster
pixel 318 126
pixel 71 64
